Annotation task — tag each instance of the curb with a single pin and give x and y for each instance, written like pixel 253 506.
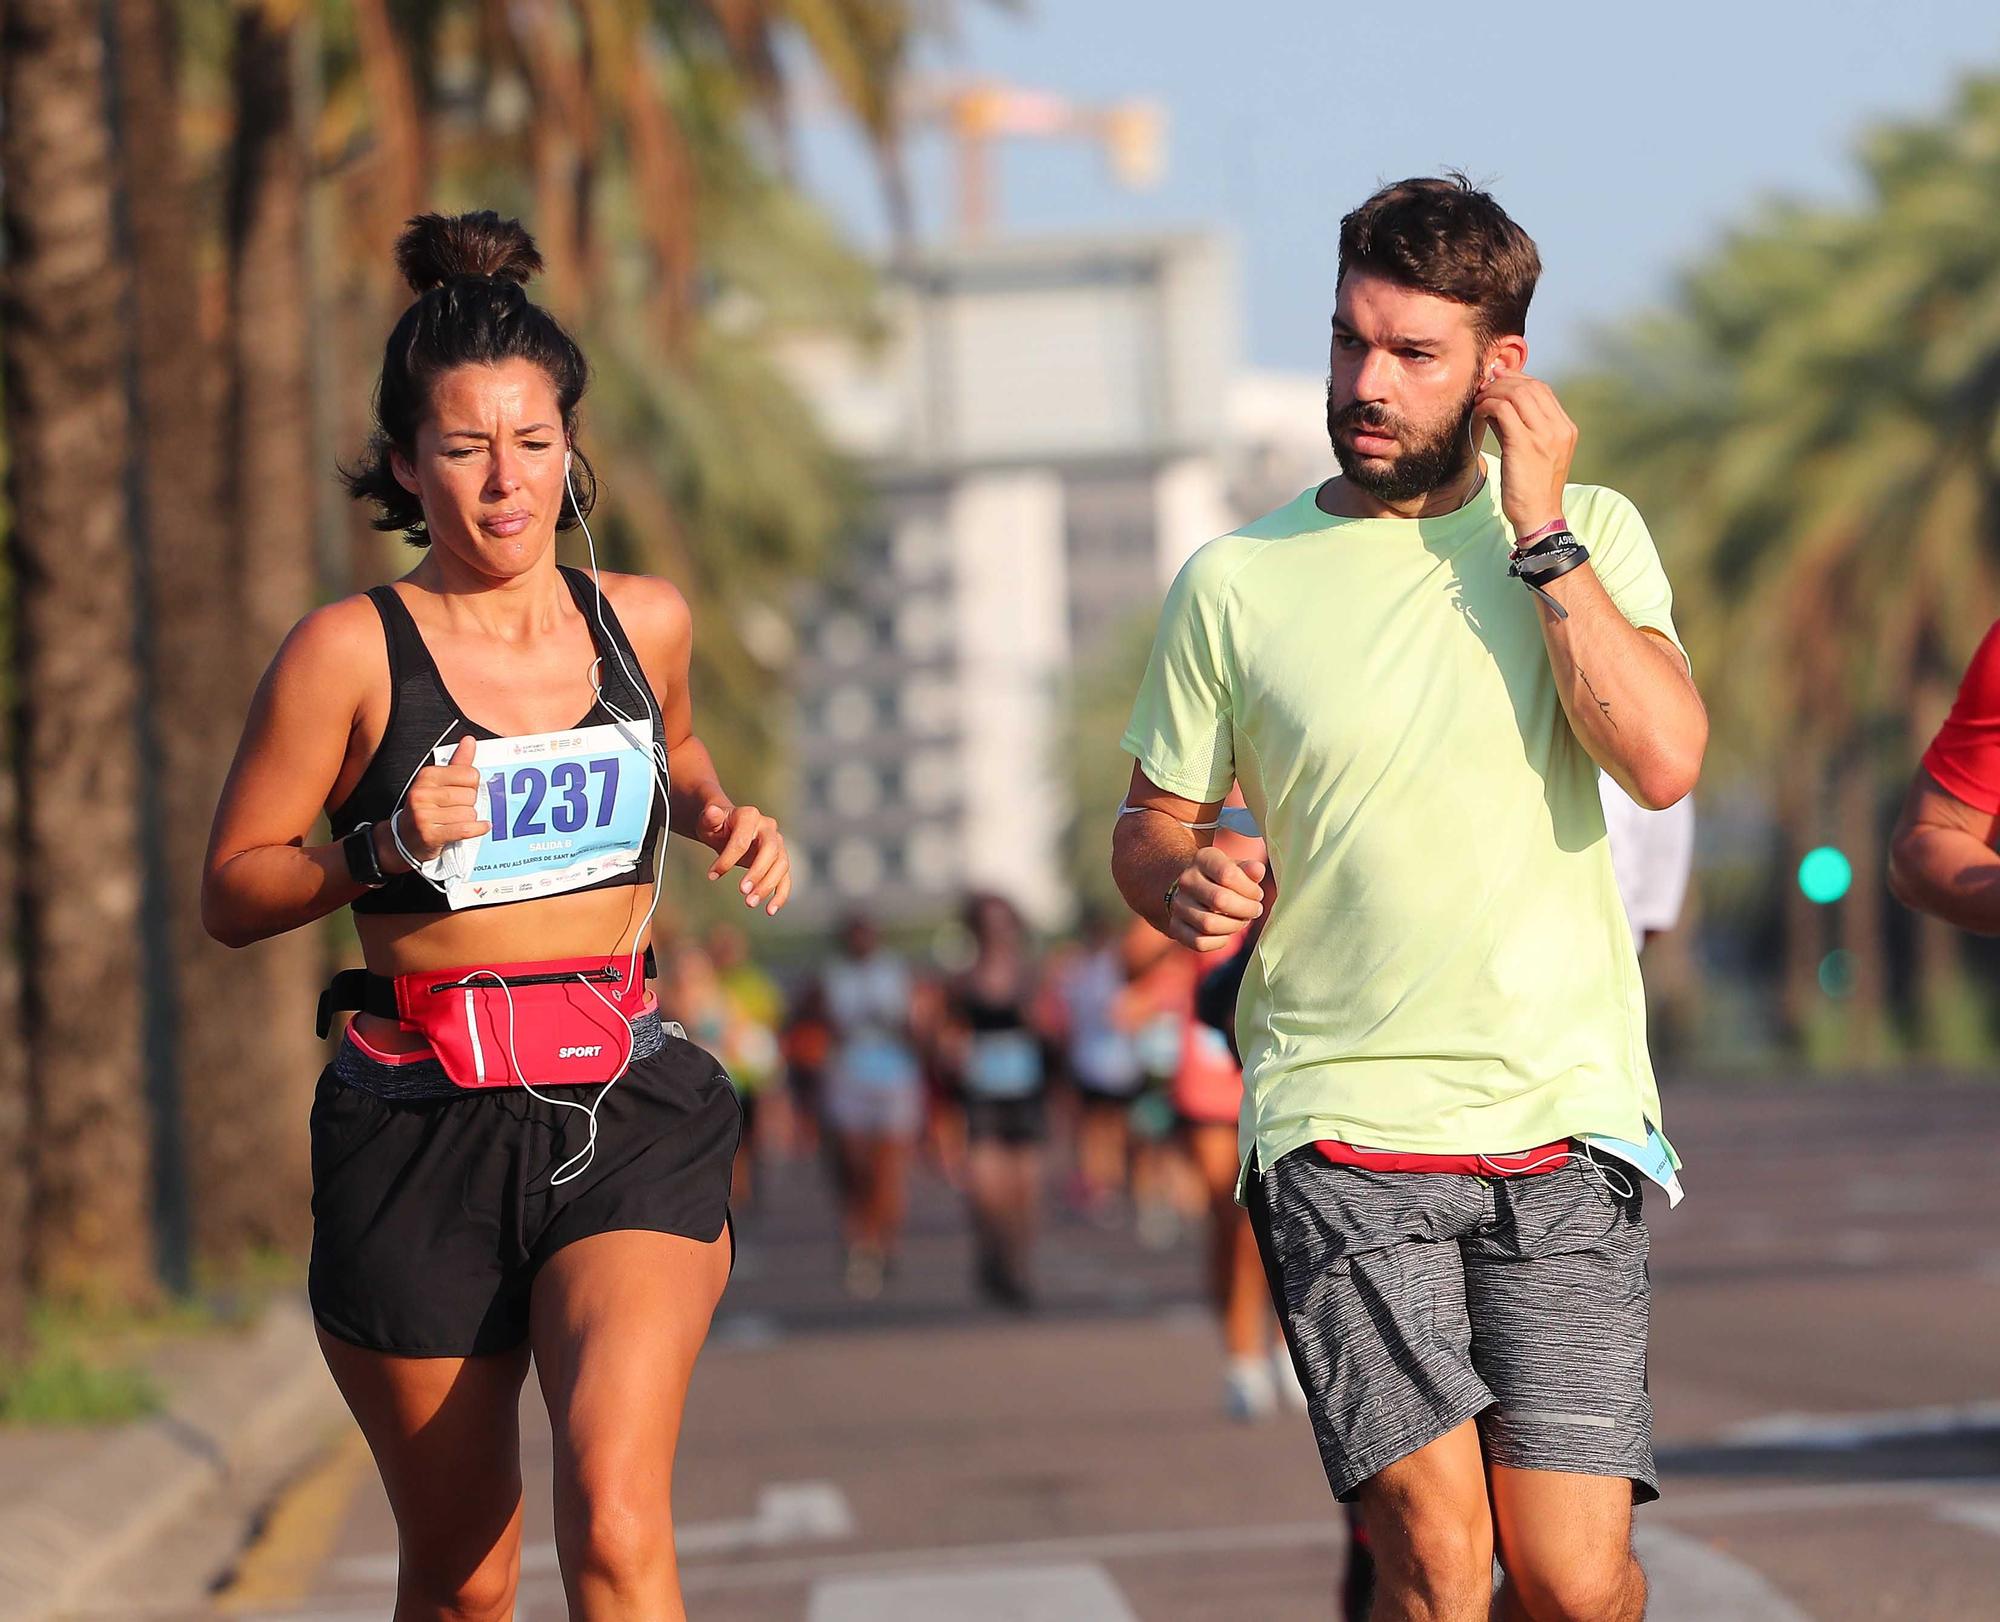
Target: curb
pixel 263 1396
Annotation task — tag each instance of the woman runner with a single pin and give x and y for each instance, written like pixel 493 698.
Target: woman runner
pixel 511 1154
pixel 1000 1060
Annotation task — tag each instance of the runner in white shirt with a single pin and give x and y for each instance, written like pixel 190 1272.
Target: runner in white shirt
pixel 1651 854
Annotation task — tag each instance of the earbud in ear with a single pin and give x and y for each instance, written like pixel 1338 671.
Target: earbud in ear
pixel 1491 372
pixel 568 457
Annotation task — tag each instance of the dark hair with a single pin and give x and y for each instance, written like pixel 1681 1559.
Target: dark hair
pixel 973 909
pixel 1446 237
pixel 468 272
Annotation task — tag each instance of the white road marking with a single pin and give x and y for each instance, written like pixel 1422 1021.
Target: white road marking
pixel 1881 1195
pixel 1071 1593
pixel 1043 1551
pixel 1860 1247
pixel 1694 1582
pixel 1223 1540
pixel 787 1513
pixel 1983 1517
pixel 747 1331
pixel 1857 1430
pixel 1775 1500
pixel 1970 1501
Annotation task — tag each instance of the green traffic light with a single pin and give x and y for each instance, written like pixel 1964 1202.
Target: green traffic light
pixel 1825 875
pixel 1836 973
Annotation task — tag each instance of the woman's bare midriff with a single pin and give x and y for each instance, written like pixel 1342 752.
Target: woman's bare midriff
pixel 599 923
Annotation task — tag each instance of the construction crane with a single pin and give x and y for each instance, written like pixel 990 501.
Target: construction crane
pixel 978 112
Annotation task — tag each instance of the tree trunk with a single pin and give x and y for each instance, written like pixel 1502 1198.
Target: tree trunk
pixel 561 138
pixel 63 336
pixel 1803 935
pixel 14 1167
pixel 1863 917
pixel 197 678
pixel 404 161
pixel 247 1136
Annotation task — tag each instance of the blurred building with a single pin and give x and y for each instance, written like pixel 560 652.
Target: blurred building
pixel 1050 427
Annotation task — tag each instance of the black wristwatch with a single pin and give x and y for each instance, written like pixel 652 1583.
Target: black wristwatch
pixel 363 865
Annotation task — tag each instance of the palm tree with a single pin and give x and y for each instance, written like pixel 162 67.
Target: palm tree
pixel 62 342
pixel 246 1142
pixel 650 137
pixel 194 674
pixel 14 1100
pixel 1815 422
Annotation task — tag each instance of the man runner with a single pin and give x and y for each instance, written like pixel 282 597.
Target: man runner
pixel 1416 670
pixel 1941 856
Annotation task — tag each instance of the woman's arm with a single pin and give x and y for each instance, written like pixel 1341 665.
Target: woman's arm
pixel 662 631
pixel 260 877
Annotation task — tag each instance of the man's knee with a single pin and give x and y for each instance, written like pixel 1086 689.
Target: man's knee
pixel 1438 1558
pixel 1596 1588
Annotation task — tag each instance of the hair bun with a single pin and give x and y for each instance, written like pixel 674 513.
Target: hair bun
pixel 438 248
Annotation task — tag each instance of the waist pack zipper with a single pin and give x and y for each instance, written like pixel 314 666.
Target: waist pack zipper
pixel 608 975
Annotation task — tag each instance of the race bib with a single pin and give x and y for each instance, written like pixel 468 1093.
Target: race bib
pixel 1003 1064
pixel 568 809
pixel 874 1063
pixel 1159 1044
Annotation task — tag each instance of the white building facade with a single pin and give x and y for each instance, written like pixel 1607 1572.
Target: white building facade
pixel 1049 429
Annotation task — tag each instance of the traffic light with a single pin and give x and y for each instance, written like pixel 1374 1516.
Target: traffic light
pixel 1825 875
pixel 1836 973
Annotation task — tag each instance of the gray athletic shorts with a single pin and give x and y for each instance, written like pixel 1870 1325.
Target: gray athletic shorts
pixel 1414 1301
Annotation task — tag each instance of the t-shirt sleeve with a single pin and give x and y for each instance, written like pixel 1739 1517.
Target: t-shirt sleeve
pixel 1182 731
pixel 1627 562
pixel 1965 755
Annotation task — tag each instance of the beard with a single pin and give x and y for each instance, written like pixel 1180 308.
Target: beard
pixel 1422 464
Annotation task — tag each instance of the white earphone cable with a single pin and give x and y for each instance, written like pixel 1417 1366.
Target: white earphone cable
pixel 654 748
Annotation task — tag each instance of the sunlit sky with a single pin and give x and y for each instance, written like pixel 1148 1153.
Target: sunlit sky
pixel 1625 140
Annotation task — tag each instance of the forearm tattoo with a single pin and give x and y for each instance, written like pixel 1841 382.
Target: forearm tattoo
pixel 1603 705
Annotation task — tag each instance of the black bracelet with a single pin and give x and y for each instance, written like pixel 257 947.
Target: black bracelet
pixel 363 865
pixel 1550 560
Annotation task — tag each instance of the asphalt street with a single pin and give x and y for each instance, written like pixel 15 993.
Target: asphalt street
pixel 1825 1372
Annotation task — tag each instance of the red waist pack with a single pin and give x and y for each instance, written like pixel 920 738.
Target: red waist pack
pixel 563 1023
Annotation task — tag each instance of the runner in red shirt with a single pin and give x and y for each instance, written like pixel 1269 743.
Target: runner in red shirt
pixel 1941 857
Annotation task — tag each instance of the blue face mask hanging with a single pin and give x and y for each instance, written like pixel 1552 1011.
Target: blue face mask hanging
pixel 1653 1159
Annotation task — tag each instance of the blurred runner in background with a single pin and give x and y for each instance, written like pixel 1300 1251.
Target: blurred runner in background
pixel 752 1008
pixel 944 1108
pixel 1941 857
pixel 1100 1059
pixel 1156 1006
pixel 1215 1005
pixel 997 1056
pixel 805 1043
pixel 1652 853
pixel 872 1097
pixel 1207 1095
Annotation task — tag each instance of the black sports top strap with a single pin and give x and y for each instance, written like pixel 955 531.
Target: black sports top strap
pixel 423 713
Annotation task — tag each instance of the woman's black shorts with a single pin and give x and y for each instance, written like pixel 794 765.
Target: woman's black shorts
pixel 1016 1122
pixel 431 1215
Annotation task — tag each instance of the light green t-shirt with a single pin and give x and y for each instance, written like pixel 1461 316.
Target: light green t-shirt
pixel 1448 968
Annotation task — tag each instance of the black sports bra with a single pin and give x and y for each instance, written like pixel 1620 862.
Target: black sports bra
pixel 422 711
